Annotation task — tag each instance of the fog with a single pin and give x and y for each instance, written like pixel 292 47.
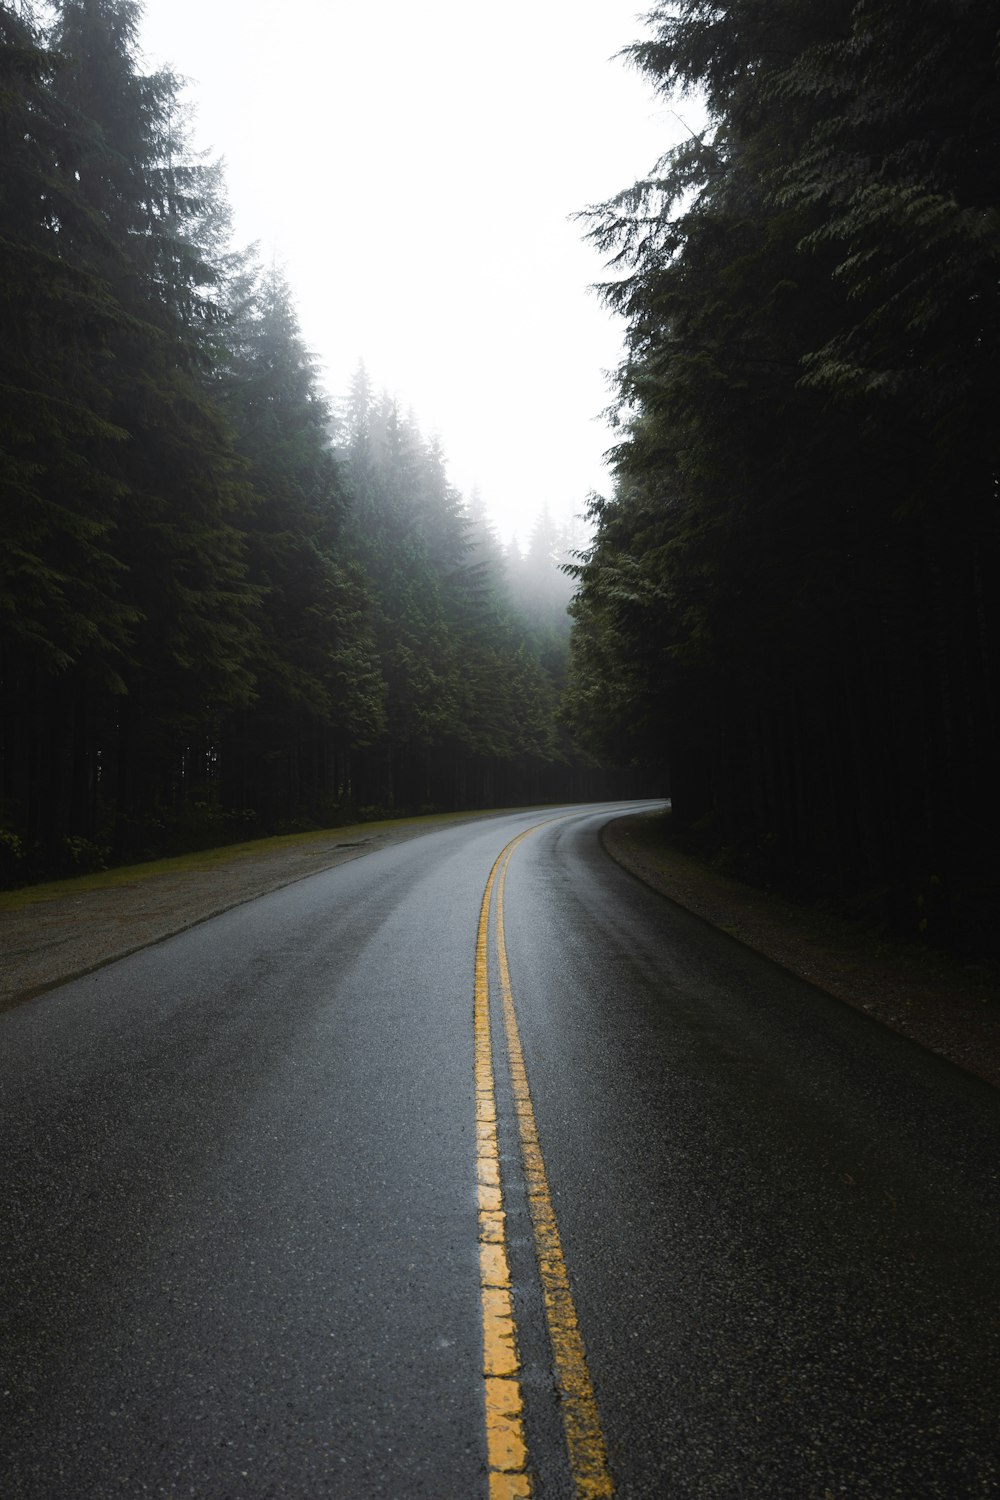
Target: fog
pixel 414 168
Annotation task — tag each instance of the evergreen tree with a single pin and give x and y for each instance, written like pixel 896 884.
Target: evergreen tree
pixel 397 518
pixel 143 632
pixel 208 615
pixel 59 577
pixel 65 627
pixel 785 596
pixel 319 686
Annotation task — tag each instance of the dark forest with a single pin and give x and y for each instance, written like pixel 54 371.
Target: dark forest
pixel 231 606
pixel 791 599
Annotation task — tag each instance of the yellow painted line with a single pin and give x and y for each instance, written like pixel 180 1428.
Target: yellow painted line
pixel 584 1437
pixel 507 1455
pixel 506 1450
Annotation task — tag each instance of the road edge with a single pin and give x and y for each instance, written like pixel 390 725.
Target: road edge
pixel 235 885
pixel 947 1019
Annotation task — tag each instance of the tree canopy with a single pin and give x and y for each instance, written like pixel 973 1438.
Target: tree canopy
pixel 224 608
pixel 788 600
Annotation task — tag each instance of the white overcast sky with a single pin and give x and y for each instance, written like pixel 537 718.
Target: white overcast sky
pixel 413 165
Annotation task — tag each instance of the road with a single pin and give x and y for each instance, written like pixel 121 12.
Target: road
pixel 270 1185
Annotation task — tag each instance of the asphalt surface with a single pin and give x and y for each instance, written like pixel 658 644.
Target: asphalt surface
pixel 240 1248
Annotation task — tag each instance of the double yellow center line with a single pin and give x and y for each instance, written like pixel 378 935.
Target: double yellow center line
pixel 506 1448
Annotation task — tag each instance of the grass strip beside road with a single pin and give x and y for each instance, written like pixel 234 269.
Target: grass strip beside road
pixel 50 934
pixel 202 861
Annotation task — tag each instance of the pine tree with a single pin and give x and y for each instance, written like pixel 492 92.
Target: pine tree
pixel 786 592
pixel 130 593
pixel 320 692
pixel 65 625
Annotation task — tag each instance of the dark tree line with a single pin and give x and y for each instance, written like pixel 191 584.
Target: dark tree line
pixel 791 600
pixel 221 611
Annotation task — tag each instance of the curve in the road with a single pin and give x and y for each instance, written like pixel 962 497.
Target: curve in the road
pixel 244 1258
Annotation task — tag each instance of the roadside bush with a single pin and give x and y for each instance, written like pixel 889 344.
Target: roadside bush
pixel 13 869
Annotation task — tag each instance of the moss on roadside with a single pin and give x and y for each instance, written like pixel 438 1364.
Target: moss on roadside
pixel 207 859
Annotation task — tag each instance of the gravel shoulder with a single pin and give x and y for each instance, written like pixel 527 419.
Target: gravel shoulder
pixel 52 934
pixel 947 1007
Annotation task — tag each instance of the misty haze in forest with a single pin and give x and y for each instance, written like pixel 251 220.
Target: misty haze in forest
pixel 237 602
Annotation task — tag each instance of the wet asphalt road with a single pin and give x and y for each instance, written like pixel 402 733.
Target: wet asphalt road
pixel 239 1255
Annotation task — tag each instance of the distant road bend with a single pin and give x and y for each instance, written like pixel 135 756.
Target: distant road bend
pixel 474 1168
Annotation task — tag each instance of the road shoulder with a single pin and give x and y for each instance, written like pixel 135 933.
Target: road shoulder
pixel 52 934
pixel 944 1006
